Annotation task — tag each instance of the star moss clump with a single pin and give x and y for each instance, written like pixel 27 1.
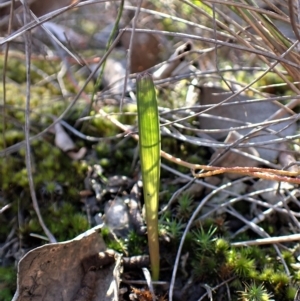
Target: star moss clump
pixel 253 272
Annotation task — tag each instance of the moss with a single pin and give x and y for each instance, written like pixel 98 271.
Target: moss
pixel 255 292
pixel 111 242
pixel 242 265
pixel 7 283
pixel 102 149
pixel 13 136
pixel 272 83
pixel 279 281
pixel 185 206
pixel 63 221
pixel 5 294
pixel 297 276
pixel 170 227
pixel 104 162
pixel 288 257
pixel 221 246
pixel 204 268
pixel 130 114
pixel 32 226
pixel 290 293
pixel 136 243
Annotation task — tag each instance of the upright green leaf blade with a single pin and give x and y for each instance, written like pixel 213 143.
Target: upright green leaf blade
pixel 149 143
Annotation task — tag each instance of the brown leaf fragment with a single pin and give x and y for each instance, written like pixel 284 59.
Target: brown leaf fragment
pixel 69 270
pixel 38 7
pixel 87 289
pixel 145 50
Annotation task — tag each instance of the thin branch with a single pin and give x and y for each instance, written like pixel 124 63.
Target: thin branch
pixel 26 14
pixel 129 54
pixel 267 241
pixel 257 172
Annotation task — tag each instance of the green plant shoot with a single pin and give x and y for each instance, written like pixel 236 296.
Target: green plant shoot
pixel 149 144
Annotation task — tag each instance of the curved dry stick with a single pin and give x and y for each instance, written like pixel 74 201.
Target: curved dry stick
pixel 262 173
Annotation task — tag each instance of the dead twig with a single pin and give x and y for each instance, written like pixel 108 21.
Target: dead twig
pixel 27 34
pixel 268 240
pixel 257 172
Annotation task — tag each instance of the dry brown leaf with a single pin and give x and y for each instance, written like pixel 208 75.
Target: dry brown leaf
pixel 70 270
pixel 145 50
pixel 43 7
